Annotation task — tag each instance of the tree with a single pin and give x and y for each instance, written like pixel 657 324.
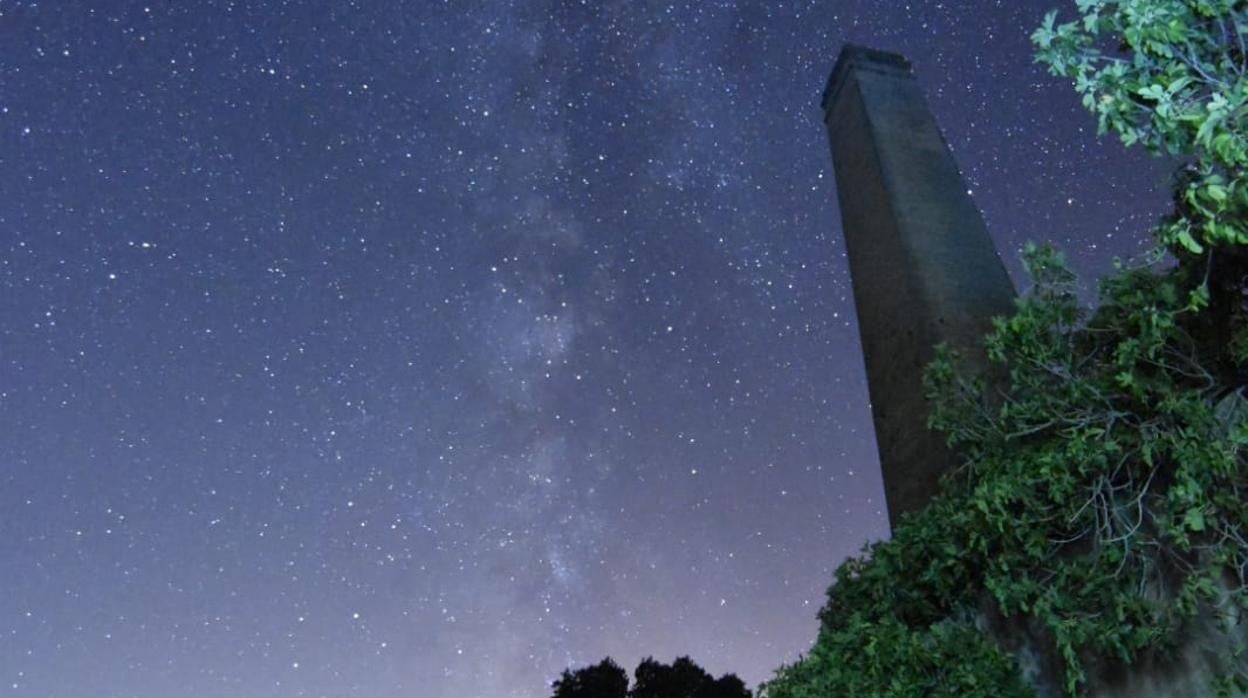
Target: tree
pixel 729 686
pixel 682 679
pixel 1171 75
pixel 605 679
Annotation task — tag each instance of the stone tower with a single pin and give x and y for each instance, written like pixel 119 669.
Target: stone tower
pixel 923 266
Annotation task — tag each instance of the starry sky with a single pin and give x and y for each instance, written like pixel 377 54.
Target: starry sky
pixel 424 348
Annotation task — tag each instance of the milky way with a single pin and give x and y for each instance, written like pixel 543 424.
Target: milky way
pixel 425 348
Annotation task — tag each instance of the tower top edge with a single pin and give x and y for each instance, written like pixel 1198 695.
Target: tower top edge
pixel 854 58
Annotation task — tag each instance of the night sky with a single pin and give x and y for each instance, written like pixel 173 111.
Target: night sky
pixel 422 349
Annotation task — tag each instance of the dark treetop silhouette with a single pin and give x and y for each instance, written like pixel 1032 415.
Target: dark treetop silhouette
pixel 682 679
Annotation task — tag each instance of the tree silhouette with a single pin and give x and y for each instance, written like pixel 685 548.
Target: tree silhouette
pixel 681 679
pixel 605 679
pixel 728 686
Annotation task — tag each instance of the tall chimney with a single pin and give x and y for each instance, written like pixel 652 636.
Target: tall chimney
pixel 924 269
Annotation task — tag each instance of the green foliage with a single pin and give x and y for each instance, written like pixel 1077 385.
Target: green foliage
pixel 1169 74
pixel 1103 499
pixel 886 658
pixel 1111 473
pixel 898 622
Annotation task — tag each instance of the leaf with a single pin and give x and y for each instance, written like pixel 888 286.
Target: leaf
pixel 1222 145
pixel 1178 85
pixel 1232 410
pixel 1198 298
pixel 1195 520
pixel 1189 242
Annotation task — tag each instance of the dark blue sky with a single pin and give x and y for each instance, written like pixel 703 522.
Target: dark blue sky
pixel 422 349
